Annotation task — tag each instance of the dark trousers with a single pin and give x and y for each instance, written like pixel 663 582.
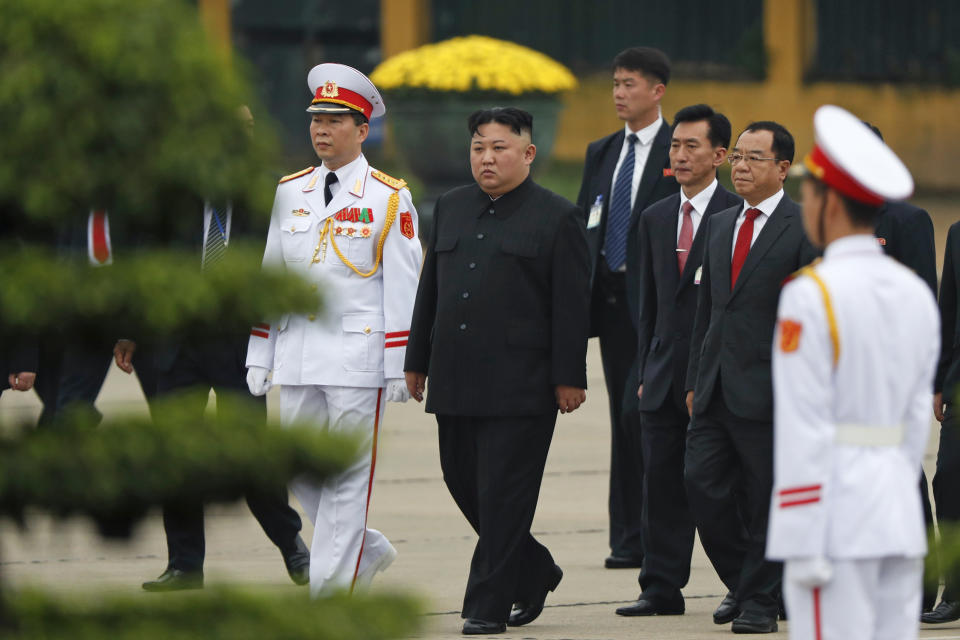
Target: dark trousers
pixel 218 367
pixel 728 472
pixel 668 528
pixel 946 494
pixel 493 468
pixel 72 374
pixel 618 350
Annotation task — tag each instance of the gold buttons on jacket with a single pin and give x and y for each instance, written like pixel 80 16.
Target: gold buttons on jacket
pixel 311 317
pixel 366 329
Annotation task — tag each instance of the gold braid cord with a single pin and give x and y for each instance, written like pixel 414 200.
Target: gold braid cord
pixel 831 318
pixel 393 203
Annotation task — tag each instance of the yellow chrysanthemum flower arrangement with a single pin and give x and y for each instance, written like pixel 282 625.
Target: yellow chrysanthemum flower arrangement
pixel 473 64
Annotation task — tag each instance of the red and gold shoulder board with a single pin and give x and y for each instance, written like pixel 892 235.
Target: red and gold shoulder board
pixel 406 225
pixel 302 172
pixel 790 331
pixel 390 181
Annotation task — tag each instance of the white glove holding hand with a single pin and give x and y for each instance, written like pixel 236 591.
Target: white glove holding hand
pixel 257 380
pixel 397 390
pixel 809 572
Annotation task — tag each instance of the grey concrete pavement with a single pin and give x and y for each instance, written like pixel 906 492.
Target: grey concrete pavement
pixel 412 507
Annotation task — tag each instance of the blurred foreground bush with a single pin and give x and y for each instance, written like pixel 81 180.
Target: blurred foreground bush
pixel 116 471
pixel 211 615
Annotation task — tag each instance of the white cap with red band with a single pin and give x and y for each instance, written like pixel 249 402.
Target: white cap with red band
pixel 852 159
pixel 337 88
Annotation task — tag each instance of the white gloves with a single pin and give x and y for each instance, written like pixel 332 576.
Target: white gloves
pixel 257 380
pixel 809 572
pixel 397 390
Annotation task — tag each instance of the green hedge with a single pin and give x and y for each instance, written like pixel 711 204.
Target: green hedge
pixel 213 614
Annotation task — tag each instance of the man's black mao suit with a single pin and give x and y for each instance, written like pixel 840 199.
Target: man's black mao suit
pixel 668 305
pixel 613 313
pixel 906 234
pixel 729 459
pixel 946 480
pixel 500 320
pixel 219 363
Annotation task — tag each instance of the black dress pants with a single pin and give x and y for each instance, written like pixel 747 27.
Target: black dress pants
pixel 668 529
pixel 493 467
pixel 618 350
pixel 728 471
pixel 219 367
pixel 946 493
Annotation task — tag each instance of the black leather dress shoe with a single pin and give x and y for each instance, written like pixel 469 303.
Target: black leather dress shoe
pixel 651 606
pixel 477 627
pixel 754 622
pixel 614 561
pixel 175 580
pixel 525 612
pixel 946 611
pixel 727 611
pixel 297 561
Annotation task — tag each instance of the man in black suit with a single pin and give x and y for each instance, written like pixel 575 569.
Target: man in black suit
pixel 500 325
pixel 750 250
pixel 671 252
pixel 622 174
pixel 203 363
pixel 906 234
pixel 946 386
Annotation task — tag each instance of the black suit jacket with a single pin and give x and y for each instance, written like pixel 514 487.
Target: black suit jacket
pixel 906 234
pixel 948 371
pixel 668 299
pixel 733 331
pixel 600 163
pixel 501 312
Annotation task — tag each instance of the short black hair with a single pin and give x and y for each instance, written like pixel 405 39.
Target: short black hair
pixel 861 214
pixel 517 119
pixel 783 146
pixel 650 62
pixel 718 127
pixel 875 130
pixel 359 118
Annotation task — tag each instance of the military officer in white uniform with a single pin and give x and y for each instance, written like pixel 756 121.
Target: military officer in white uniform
pixel 853 366
pixel 353 231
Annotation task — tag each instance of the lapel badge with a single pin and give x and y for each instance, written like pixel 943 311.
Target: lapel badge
pixel 329 90
pixel 365 232
pixel 668 173
pixel 882 241
pixel 301 212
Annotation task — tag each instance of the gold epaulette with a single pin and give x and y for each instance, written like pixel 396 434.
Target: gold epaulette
pixel 828 308
pixel 799 272
pixel 390 181
pixel 302 172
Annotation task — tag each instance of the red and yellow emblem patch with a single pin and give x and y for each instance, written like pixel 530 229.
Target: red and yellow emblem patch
pixel 790 331
pixel 406 225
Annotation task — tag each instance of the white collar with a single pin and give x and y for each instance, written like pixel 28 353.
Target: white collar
pixel 702 199
pixel 648 133
pixel 767 207
pixel 857 243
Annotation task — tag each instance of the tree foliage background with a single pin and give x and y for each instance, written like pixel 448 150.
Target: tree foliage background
pixel 123 105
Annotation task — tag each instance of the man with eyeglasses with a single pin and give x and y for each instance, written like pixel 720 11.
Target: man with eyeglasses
pixel 750 250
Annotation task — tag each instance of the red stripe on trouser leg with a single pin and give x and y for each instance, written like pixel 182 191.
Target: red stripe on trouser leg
pixel 817 634
pixel 366 511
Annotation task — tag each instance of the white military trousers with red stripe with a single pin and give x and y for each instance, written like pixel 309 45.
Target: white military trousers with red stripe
pixel 869 599
pixel 344 549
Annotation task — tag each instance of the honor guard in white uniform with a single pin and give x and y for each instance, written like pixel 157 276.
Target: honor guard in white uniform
pixel 352 230
pixel 853 365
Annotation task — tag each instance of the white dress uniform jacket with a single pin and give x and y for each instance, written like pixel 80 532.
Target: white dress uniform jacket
pixel 359 338
pixel 849 435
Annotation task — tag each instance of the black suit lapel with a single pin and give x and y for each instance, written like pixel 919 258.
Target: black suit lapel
pixel 718 202
pixel 666 241
pixel 720 250
pixel 652 170
pixel 608 163
pixel 775 226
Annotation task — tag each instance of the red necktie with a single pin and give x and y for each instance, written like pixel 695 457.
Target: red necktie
pixel 98 231
pixel 742 248
pixel 685 241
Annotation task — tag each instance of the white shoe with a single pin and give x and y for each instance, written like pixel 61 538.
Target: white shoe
pixel 365 577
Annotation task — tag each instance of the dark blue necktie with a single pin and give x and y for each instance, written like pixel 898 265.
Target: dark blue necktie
pixel 618 218
pixel 215 244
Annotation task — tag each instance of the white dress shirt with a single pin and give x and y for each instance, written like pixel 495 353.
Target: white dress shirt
pixel 226 220
pixel 767 207
pixel 699 202
pixel 641 152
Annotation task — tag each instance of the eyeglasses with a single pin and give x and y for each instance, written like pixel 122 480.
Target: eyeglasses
pixel 734 158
